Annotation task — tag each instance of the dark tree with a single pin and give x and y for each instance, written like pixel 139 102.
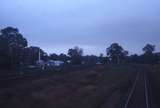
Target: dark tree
pixel 102 59
pixel 133 58
pixel 12 44
pixel 63 57
pixel 90 59
pixel 149 57
pixel 53 56
pixel 116 53
pixel 75 55
pixel 148 49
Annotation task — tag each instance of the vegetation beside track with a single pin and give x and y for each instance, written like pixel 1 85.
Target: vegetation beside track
pixel 95 87
pixel 155 82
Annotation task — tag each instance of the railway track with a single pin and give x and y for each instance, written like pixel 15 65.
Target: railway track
pixel 139 94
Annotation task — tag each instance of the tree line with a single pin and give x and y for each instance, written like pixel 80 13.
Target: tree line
pixel 14 51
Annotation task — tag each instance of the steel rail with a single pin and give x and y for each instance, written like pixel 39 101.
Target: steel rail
pixel 132 91
pixel 146 91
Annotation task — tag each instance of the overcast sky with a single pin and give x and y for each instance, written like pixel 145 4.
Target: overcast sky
pixel 57 25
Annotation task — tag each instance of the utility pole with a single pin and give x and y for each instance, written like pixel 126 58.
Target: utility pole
pixel 40 61
pixel 39 56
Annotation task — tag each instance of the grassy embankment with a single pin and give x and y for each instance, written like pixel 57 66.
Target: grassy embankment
pixel 155 80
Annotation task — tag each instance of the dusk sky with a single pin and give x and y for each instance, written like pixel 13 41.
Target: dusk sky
pixel 57 25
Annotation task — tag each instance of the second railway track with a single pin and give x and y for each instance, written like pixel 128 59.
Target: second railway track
pixel 138 96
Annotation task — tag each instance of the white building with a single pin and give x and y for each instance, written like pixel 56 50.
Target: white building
pixel 54 63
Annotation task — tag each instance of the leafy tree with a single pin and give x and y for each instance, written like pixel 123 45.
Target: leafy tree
pixel 53 56
pixel 102 59
pixel 75 52
pixel 12 44
pixel 149 57
pixel 63 57
pixel 90 59
pixel 76 55
pixel 116 53
pixel 148 49
pixel 133 58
